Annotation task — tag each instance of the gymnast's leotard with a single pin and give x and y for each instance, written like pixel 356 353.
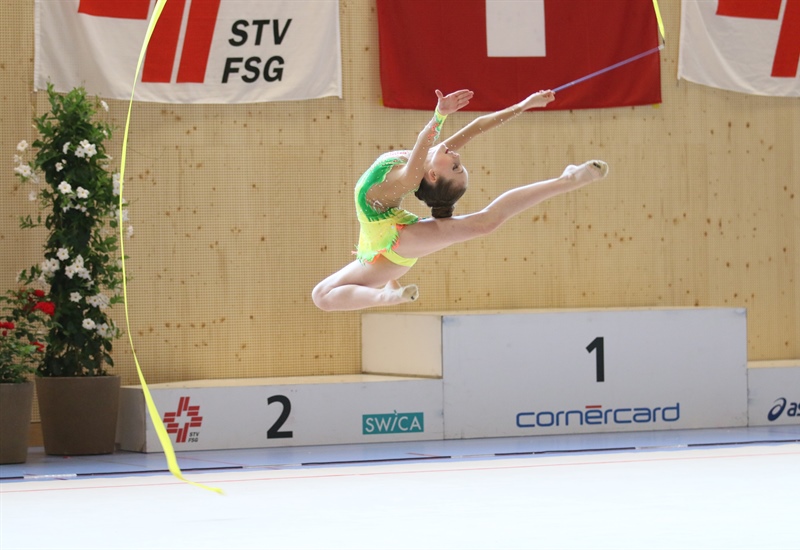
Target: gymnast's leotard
pixel 380 228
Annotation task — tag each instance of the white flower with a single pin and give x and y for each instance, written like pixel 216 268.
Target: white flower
pixel 23 170
pixel 59 166
pixel 124 215
pixel 63 254
pixel 104 105
pixel 82 193
pixel 117 183
pixel 22 145
pixel 88 324
pixel 77 269
pixel 65 149
pixel 86 148
pixel 65 188
pixel 17 159
pixel 75 297
pixel 99 301
pixel 103 330
pixel 129 231
pixel 32 196
pixel 50 266
pixel 107 331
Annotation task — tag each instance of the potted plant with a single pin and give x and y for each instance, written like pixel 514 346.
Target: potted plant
pixel 25 319
pixel 78 198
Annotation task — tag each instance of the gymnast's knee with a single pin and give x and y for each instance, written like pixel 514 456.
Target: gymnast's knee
pixel 319 295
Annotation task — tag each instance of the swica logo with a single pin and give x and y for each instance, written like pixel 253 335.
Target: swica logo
pixel 193 34
pixel 594 415
pixel 177 423
pixel 780 406
pixel 393 423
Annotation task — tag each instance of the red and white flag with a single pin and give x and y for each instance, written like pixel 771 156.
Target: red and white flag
pixel 504 50
pixel 201 51
pixel 749 46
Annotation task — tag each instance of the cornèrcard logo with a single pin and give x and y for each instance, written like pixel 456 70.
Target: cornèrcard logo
pixel 787 50
pixel 595 415
pixel 392 423
pixel 780 407
pixel 184 422
pixel 194 33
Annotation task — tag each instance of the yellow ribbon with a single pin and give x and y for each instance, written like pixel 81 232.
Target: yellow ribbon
pixel 163 436
pixel 660 21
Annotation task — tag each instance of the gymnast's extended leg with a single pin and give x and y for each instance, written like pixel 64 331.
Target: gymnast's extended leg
pixel 430 235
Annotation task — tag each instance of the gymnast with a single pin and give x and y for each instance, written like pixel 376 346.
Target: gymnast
pixel 392 239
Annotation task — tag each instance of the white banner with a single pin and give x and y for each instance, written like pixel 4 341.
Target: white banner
pixel 750 47
pixel 202 51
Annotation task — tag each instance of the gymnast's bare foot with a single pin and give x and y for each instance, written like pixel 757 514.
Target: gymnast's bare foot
pixel 396 294
pixel 587 172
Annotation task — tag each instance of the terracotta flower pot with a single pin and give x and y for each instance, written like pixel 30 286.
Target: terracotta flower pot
pixel 79 414
pixel 15 421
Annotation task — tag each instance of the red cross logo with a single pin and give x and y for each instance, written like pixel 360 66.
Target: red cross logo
pixel 161 55
pixel 787 54
pixel 173 420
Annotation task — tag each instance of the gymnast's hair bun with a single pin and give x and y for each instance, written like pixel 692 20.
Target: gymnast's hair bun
pixel 442 211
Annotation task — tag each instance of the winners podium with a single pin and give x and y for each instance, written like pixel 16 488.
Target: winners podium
pixel 433 376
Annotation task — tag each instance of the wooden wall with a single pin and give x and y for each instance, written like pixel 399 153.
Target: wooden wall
pixel 238 211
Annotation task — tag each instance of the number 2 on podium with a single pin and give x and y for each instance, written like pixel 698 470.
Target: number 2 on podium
pixel 275 431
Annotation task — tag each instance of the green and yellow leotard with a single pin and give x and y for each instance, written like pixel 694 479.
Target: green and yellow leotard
pixel 380 229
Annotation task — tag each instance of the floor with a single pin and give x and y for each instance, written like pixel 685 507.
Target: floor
pixel 724 488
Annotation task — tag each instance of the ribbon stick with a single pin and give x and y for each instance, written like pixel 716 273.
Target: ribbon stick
pixel 163 436
pixel 611 68
pixel 630 59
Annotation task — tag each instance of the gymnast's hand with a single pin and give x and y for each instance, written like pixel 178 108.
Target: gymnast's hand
pixel 539 99
pixel 451 103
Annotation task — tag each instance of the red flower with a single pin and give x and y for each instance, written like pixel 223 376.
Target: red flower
pixel 7 325
pixel 39 346
pixel 38 293
pixel 48 308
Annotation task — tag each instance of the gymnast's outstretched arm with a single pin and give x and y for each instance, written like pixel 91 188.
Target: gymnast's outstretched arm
pixel 415 168
pixel 493 120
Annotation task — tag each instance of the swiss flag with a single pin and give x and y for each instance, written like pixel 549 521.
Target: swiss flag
pixel 745 46
pixel 505 50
